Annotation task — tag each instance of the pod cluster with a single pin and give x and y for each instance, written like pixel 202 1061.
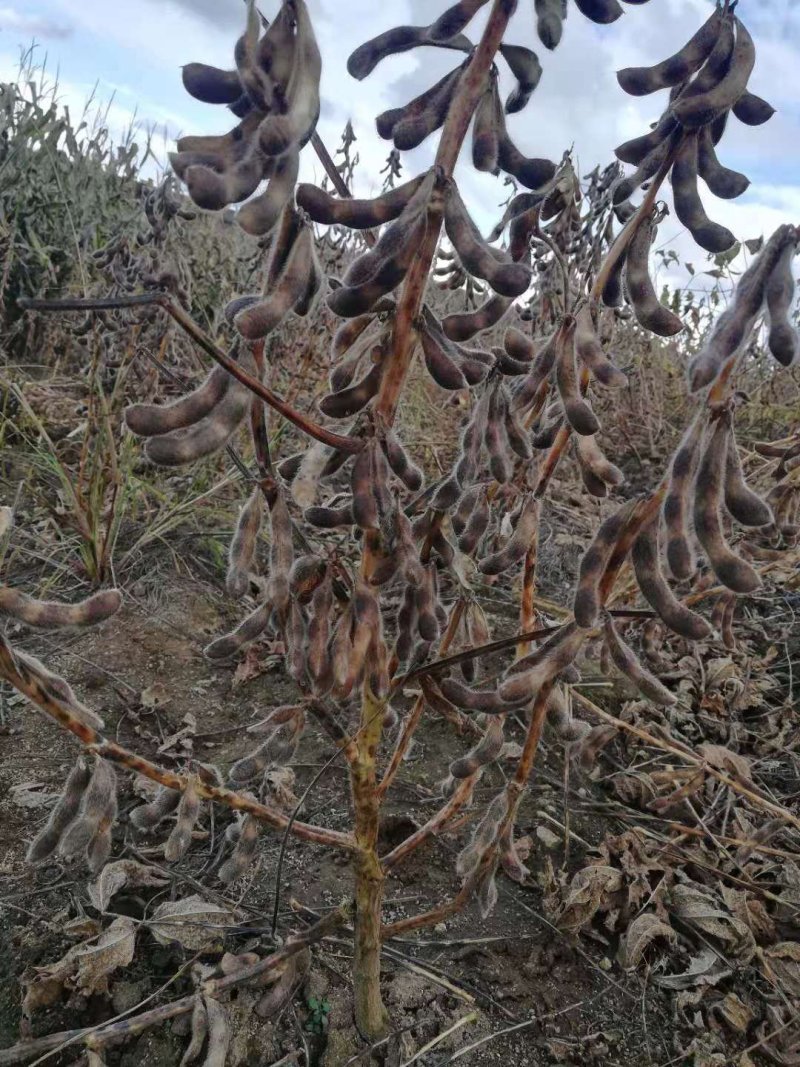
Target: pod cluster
pixel 274 92
pixel 80 823
pixel 767 286
pixel 707 81
pixel 199 423
pixel 629 281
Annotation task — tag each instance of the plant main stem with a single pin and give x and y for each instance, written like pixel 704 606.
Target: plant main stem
pixel 371 1016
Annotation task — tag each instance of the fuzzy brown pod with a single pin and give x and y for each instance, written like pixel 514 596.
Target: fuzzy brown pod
pixel 586 604
pixel 743 504
pixel 63 813
pixel 248 630
pixel 678 497
pixel 150 420
pixel 209 433
pixel 439 355
pixel 550 16
pixel 688 206
pixel 241 859
pixel 486 751
pixel 677 68
pixel 513 551
pixel 401 464
pixel 242 550
pixel 590 352
pixel 484 836
pixel 410 125
pixel 650 312
pixel 496 437
pixel 354 213
pixel 475 701
pixel 730 569
pixel 51 614
pixel 721 181
pixel 529 674
pixel 526 68
pixel 89 833
pixel 278 749
pixel 149 816
pixel 701 105
pixel 289 291
pixel 55 688
pixel 625 660
pixel 593 462
pixel 392 42
pixel 188 812
pixel 577 410
pixel 506 277
pixel 736 322
pixel 261 214
pixel 279 132
pixel 645 556
pixel 529 388
pixel 783 340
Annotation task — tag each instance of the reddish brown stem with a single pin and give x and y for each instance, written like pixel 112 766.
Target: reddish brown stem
pixel 176 312
pixel 456 802
pixel 412 721
pixel 41 695
pixel 470 89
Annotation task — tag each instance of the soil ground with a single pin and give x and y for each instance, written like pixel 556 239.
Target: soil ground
pixel 537 995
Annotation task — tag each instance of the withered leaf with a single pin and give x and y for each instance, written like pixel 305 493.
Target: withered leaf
pixel 95 962
pixel 733 1011
pixel 722 759
pixel 699 909
pixel 705 969
pixel 781 964
pixel 589 892
pixel 86 967
pixel 640 934
pixel 119 874
pixel 192 922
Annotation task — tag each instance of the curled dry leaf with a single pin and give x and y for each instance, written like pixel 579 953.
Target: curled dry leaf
pixel 699 908
pixel 590 891
pixel 781 964
pixel 705 969
pixel 192 922
pixel 722 759
pixel 642 932
pixel 119 875
pixel 85 968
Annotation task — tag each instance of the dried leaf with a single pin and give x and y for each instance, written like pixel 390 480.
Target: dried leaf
pixel 86 967
pixel 192 922
pixel 589 892
pixel 705 969
pixel 118 875
pixel 31 795
pixel 722 759
pixel 751 911
pixel 781 964
pixel 733 1011
pixel 698 908
pixel 113 949
pixel 640 934
pixel 154 696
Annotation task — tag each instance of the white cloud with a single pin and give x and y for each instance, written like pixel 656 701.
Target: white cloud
pixel 19 24
pixel 577 104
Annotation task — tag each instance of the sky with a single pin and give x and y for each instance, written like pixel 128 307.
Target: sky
pixel 130 52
